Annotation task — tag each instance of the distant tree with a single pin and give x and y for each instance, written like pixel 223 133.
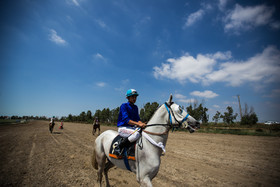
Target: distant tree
pixel 88 116
pixel 147 112
pixel 82 116
pixel 142 113
pixel 115 115
pixel 104 115
pixel 204 114
pixel 198 112
pixel 228 116
pixel 97 114
pixel 63 118
pixel 249 118
pixel 216 117
pixel 70 117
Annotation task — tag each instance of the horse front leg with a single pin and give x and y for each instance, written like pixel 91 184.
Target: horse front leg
pixel 146 182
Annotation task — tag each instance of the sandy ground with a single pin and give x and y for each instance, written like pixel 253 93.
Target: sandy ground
pixel 31 156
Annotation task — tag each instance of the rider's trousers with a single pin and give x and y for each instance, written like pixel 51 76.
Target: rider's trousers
pixel 127 132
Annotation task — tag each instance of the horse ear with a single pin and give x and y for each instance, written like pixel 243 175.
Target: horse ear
pixel 170 99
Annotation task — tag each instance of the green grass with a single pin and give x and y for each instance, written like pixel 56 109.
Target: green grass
pixel 237 129
pixel 10 121
pixel 253 130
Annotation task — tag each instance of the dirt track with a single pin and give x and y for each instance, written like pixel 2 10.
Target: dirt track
pixel 31 156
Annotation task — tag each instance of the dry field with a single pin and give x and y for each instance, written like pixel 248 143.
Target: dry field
pixel 31 156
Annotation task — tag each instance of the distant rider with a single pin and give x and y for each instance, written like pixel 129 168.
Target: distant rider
pixel 128 121
pixel 61 124
pixel 96 125
pixel 52 120
pixel 51 125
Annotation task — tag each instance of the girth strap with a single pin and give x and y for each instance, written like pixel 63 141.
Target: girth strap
pixel 126 160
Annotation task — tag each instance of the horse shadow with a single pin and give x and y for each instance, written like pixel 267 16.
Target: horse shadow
pixel 57 132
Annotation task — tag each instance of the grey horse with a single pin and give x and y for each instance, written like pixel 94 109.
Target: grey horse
pixel 153 141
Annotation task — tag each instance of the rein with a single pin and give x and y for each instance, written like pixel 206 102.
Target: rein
pixel 158 134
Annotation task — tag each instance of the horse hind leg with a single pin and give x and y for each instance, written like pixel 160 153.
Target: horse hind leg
pixel 98 162
pixel 108 166
pixel 93 160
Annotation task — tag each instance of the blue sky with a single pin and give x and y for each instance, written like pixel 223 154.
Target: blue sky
pixel 65 57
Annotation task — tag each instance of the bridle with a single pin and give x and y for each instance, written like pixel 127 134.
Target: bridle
pixel 168 108
pixel 173 126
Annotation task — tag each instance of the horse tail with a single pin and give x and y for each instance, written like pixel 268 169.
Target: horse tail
pixel 93 160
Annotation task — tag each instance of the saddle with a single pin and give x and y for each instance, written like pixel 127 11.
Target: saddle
pixel 128 153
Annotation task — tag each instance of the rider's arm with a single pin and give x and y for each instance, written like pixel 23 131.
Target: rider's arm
pixel 139 123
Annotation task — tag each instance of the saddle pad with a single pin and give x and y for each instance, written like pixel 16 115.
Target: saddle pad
pixel 130 150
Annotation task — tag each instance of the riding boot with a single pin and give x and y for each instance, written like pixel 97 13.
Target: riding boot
pixel 119 149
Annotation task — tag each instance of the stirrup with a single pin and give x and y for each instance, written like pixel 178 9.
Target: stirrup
pixel 118 152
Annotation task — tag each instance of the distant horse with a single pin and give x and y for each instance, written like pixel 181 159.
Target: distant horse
pixel 51 125
pixel 149 148
pixel 96 125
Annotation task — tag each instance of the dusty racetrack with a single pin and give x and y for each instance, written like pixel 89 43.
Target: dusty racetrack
pixel 31 156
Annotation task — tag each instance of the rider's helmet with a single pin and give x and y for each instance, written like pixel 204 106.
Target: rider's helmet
pixel 53 117
pixel 131 92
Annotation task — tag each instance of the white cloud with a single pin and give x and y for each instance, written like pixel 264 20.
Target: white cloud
pixel 222 4
pixel 245 18
pixel 101 84
pixel 189 68
pixel 205 94
pixel 99 57
pixel 216 106
pixel 275 25
pixel 101 23
pixel 75 2
pixel 179 96
pixel 55 38
pixel 140 25
pixel 194 17
pixel 183 99
pixel 123 85
pixel 198 15
pixel 261 68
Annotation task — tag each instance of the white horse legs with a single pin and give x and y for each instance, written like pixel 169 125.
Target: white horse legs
pixel 146 182
pixel 108 166
pixel 100 159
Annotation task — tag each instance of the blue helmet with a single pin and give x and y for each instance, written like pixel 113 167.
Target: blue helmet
pixel 131 92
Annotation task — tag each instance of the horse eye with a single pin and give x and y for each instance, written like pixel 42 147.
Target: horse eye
pixel 180 110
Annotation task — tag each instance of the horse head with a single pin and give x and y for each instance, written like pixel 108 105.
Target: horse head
pixel 181 117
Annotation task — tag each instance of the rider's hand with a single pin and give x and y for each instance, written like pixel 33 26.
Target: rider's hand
pixel 142 125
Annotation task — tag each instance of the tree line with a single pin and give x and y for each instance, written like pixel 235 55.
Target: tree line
pixel 198 111
pixel 248 117
pixel 25 117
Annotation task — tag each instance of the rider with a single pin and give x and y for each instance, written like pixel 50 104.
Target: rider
pixel 52 120
pixel 128 121
pixel 96 125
